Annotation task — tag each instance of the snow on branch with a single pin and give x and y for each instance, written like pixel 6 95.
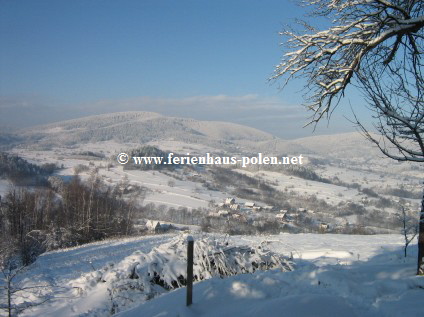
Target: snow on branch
pixel 329 59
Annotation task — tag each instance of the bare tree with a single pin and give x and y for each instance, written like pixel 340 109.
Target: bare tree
pixel 394 94
pixel 12 265
pixel 409 227
pixel 376 45
pixel 331 58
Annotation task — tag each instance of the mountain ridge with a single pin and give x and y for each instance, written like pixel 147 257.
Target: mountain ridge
pixel 149 127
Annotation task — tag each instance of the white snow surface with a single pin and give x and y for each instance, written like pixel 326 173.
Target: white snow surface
pixel 334 275
pixel 329 281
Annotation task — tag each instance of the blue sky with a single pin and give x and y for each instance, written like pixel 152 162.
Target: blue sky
pixel 202 59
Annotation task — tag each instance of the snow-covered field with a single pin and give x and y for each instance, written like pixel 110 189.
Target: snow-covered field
pixel 332 194
pixel 334 275
pixel 180 194
pixel 329 281
pixel 166 189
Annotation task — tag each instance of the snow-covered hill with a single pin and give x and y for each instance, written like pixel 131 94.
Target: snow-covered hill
pixel 170 132
pixel 342 169
pixel 143 127
pixel 135 128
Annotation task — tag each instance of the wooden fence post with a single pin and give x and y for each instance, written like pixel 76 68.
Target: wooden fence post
pixel 190 244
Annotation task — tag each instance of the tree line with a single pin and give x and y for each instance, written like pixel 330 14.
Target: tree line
pixel 21 172
pixel 62 215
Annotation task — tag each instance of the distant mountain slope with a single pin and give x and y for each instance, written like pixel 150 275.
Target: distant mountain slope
pixel 149 127
pixel 143 127
pixel 345 145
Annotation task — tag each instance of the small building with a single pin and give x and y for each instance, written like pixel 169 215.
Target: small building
pixel 229 201
pixel 223 213
pixel 235 207
pixel 323 226
pixel 249 204
pixel 153 226
pixel 257 208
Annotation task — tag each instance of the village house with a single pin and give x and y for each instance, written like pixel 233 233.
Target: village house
pixel 323 227
pixel 223 213
pixel 229 201
pixel 235 207
pixel 153 226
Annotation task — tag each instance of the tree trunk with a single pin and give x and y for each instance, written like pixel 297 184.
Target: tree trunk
pixel 420 268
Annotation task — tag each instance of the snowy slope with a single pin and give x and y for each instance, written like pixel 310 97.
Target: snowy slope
pixel 361 290
pixel 335 275
pixel 383 285
pixel 65 275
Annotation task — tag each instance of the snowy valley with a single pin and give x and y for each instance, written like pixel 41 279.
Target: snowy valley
pixel 327 231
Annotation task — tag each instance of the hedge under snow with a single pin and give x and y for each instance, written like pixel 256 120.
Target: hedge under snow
pixel 143 276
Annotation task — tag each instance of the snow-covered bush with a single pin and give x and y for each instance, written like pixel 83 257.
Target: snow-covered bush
pixel 144 276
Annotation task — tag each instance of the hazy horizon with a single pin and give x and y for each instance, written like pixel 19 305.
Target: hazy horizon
pixel 285 123
pixel 198 59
